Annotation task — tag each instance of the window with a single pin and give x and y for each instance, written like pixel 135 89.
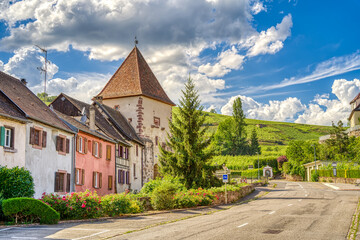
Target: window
pixel 38 137
pixel 62 182
pixel 97 179
pixel 97 149
pixel 110 183
pixel 7 137
pixel 79 176
pixel 127 177
pixel 156 140
pixel 122 176
pixel 157 121
pixel 121 151
pixel 108 152
pixel 126 153
pixel 62 144
pixel 134 166
pixel 80 144
pixel 137 150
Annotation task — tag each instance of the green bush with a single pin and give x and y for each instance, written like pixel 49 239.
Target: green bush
pixel 117 204
pixel 29 209
pixel 16 182
pixel 314 176
pixel 343 173
pixel 243 162
pixel 78 205
pixel 194 197
pixel 163 196
pixel 2 217
pixel 230 188
pixel 150 186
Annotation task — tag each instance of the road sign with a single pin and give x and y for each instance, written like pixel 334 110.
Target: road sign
pixel 225 178
pixel 251 166
pixel 334 171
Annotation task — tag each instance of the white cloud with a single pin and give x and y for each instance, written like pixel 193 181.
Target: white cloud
pixel 269 41
pixel 275 110
pixel 332 67
pixel 257 7
pixel 1 66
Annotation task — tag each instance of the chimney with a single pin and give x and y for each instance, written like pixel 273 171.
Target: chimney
pixel 23 80
pixel 92 117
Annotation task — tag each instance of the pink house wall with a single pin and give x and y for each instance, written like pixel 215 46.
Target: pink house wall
pixel 88 164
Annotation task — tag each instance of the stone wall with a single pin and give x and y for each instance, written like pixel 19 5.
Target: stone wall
pixel 339 180
pixel 293 178
pixel 148 161
pixel 233 196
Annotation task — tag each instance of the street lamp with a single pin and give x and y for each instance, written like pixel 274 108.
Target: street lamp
pixel 314 157
pixel 258 166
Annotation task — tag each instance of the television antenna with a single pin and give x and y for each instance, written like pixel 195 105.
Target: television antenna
pixel 43 69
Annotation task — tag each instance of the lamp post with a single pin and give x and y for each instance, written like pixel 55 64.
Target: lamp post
pixel 258 166
pixel 314 157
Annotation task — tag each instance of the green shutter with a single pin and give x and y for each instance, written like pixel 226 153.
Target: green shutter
pixel 2 136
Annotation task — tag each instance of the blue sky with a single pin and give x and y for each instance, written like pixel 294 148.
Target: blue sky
pixel 294 61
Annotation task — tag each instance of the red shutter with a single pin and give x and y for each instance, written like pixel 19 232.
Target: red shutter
pixel 82 176
pixel 100 180
pixel 44 135
pixel 67 145
pixel 58 139
pixel 85 146
pixel 77 143
pixel 94 179
pixel 57 179
pixel 100 150
pixel 68 180
pixel 32 135
pixel 93 148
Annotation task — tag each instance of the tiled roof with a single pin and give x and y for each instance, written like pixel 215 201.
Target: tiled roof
pixel 100 121
pixel 29 103
pixel 123 125
pixel 81 126
pixel 134 77
pixel 355 98
pixel 8 108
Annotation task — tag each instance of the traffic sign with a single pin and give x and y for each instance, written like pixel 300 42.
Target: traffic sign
pixel 251 166
pixel 225 178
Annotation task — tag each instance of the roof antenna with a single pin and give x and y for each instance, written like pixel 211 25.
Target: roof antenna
pixel 136 41
pixel 43 69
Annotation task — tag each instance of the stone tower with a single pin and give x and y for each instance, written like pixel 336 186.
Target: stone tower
pixel 137 94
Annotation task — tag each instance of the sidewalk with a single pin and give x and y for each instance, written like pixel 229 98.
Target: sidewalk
pixel 343 186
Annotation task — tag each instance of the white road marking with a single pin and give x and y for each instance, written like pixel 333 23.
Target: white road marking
pixel 243 225
pixel 271 212
pixel 91 235
pixel 4 229
pixel 332 186
pixel 290 205
pixel 24 238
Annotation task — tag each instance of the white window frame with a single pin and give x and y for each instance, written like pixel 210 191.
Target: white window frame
pixel 77 176
pixel 7 137
pixel 96 149
pixel 81 144
pixel 96 180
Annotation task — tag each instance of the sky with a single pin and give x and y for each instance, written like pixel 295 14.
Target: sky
pixel 288 60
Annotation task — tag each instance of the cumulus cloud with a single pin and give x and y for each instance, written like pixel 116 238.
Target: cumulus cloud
pixel 275 110
pixel 269 41
pixel 257 7
pixel 1 66
pixel 322 110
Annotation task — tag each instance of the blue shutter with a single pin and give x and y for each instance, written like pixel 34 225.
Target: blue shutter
pixel 2 136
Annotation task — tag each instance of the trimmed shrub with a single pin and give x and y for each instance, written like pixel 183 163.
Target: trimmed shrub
pixel 150 186
pixel 16 182
pixel 117 204
pixel 163 196
pixel 194 197
pixel 243 162
pixel 77 205
pixel 29 209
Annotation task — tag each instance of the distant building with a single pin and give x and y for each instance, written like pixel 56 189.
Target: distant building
pixel 354 117
pixel 34 137
pixel 135 92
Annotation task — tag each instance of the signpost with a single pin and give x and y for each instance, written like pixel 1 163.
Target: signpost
pixel 225 178
pixel 334 169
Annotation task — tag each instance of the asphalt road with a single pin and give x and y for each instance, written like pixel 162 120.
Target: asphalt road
pixel 293 210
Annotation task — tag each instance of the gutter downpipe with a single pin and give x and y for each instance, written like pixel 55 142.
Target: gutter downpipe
pixel 73 164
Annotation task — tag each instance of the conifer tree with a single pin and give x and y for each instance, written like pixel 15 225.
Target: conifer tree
pixel 241 146
pixel 254 143
pixel 189 157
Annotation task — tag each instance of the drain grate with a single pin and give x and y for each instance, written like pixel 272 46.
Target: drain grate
pixel 273 231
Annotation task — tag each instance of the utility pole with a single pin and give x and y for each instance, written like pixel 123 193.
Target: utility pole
pixel 44 69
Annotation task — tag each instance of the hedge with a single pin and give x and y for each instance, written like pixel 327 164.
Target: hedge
pixel 29 208
pixel 339 173
pixel 243 162
pixel 251 173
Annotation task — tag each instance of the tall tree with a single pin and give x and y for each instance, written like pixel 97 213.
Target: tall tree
pixel 189 158
pixel 254 143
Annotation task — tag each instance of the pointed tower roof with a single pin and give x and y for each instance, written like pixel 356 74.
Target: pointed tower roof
pixel 134 78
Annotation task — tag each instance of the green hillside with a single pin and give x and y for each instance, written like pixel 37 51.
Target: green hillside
pixel 272 134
